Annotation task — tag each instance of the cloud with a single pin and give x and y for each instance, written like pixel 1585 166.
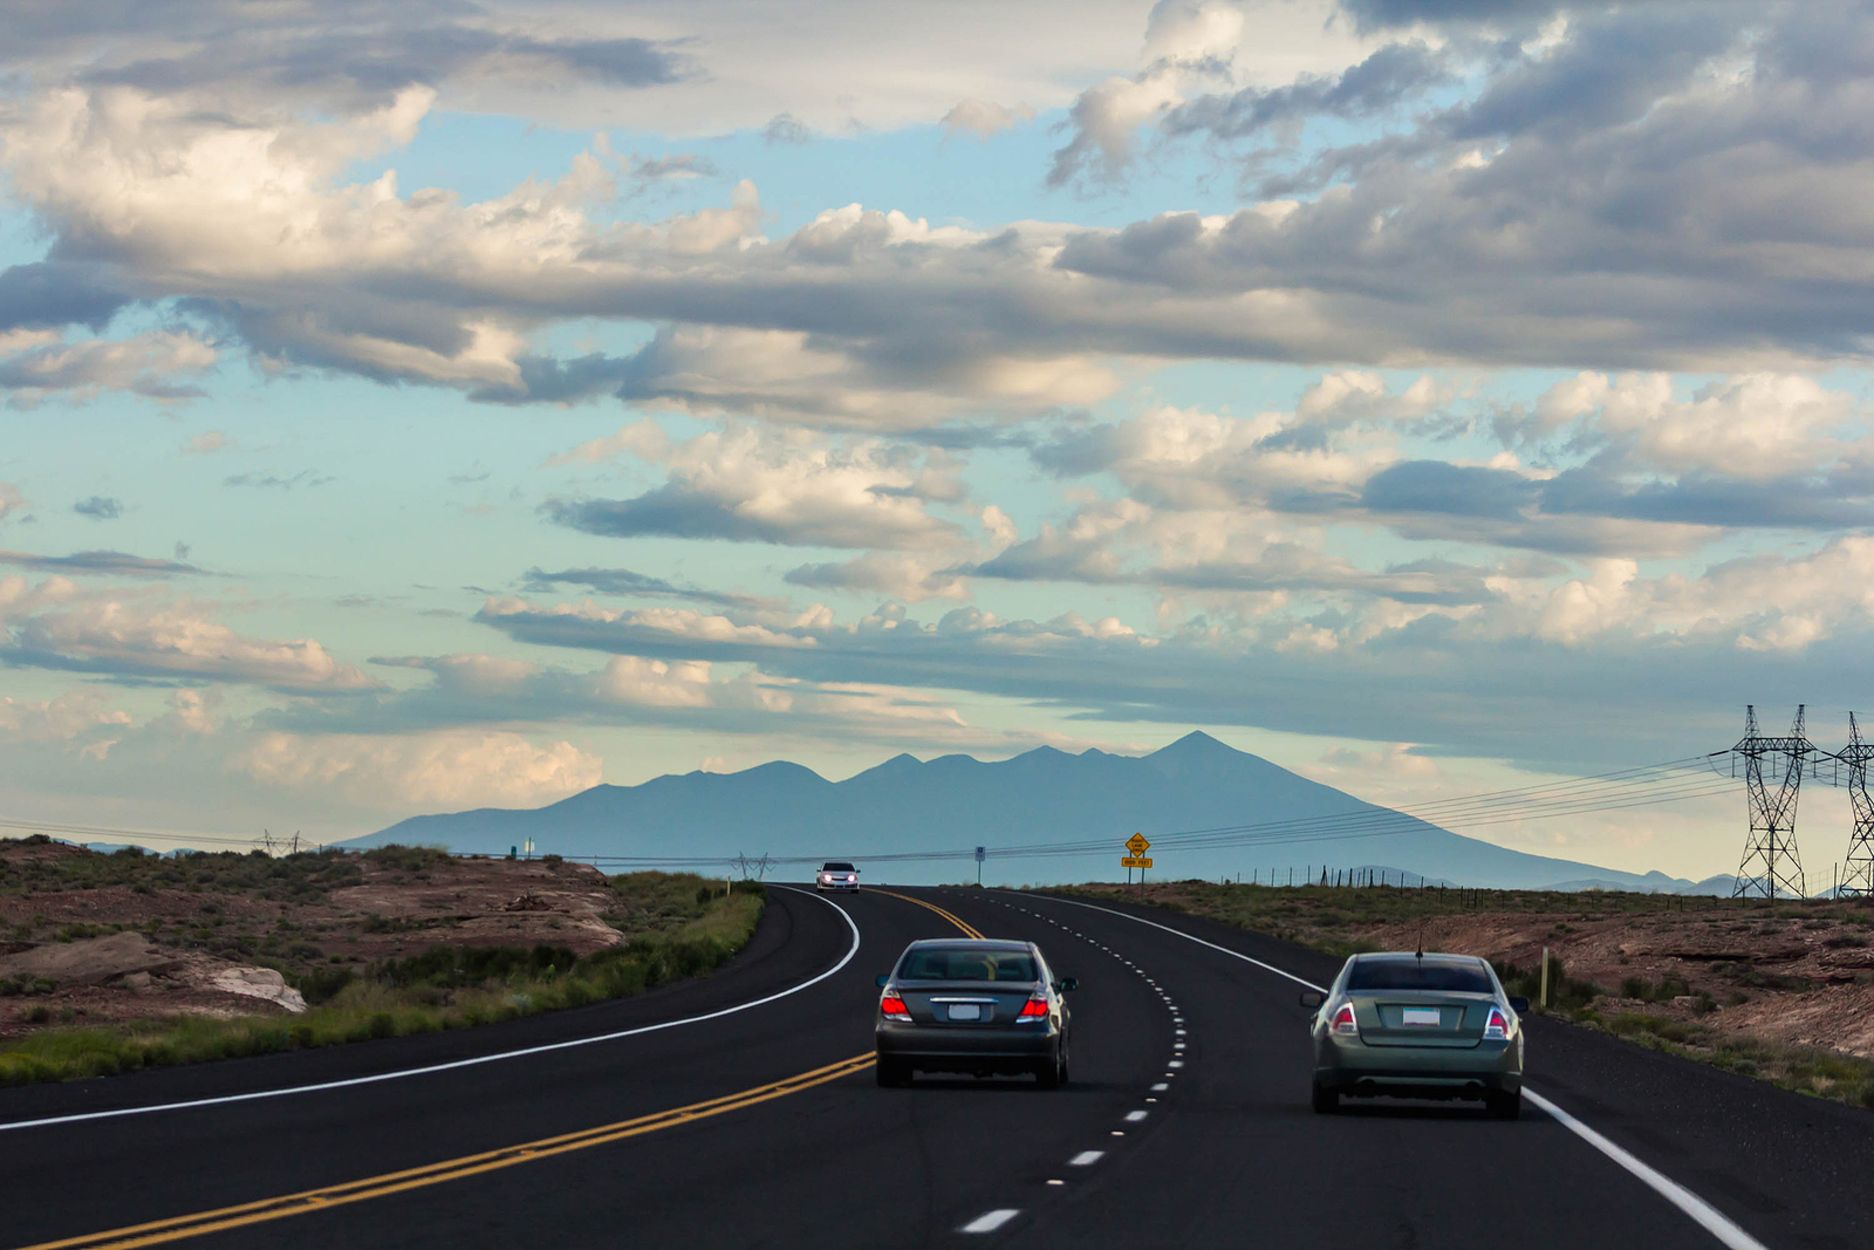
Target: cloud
pixel 786 488
pixel 135 640
pixel 984 118
pixel 99 508
pixel 438 770
pixel 48 295
pixel 626 583
pixel 207 442
pixel 148 365
pixel 273 481
pixel 11 501
pixel 103 563
pixel 73 715
pixel 899 575
pixel 786 128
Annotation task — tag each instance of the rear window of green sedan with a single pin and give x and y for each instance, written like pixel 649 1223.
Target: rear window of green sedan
pixel 1408 973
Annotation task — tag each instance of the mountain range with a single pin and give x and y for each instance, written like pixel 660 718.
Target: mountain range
pixel 1273 823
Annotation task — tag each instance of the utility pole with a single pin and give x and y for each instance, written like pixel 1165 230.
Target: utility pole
pixel 1857 875
pixel 1771 862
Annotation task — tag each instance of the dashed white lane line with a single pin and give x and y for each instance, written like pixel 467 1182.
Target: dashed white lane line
pixel 989 1221
pixel 1086 1158
pixel 1133 1117
pixel 1175 1063
pixel 1160 1088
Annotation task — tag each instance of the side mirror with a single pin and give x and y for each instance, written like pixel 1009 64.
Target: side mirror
pixel 1066 984
pixel 882 980
pixel 1313 999
pixel 1520 1006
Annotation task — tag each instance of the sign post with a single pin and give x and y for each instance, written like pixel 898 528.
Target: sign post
pixel 1135 857
pixel 982 853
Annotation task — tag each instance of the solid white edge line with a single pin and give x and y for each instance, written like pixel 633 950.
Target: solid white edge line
pixel 1696 1208
pixel 475 1061
pixel 989 1221
pixel 1690 1204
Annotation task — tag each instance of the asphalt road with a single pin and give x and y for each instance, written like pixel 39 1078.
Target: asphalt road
pixel 696 1123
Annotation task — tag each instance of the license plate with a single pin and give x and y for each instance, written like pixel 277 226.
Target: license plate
pixel 965 1011
pixel 1422 1017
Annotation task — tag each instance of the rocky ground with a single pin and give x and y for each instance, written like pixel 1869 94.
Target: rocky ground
pixel 88 938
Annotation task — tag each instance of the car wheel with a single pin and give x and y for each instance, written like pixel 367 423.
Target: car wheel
pixel 1052 1073
pixel 1504 1106
pixel 892 1073
pixel 1326 1099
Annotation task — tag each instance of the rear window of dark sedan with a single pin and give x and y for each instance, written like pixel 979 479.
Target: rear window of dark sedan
pixel 1407 973
pixel 937 963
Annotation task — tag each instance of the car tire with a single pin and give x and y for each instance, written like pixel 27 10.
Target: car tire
pixel 1326 1099
pixel 1504 1105
pixel 1052 1072
pixel 892 1073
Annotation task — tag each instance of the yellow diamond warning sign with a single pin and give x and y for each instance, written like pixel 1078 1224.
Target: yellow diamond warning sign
pixel 1137 844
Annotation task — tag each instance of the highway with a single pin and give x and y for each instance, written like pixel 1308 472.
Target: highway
pixel 740 1110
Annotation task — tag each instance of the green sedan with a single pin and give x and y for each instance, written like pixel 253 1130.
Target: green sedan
pixel 1418 1026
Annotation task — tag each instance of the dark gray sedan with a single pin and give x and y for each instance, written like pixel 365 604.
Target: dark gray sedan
pixel 979 1007
pixel 1418 1026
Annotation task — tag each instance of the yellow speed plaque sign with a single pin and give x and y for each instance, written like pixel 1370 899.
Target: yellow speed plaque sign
pixel 1135 861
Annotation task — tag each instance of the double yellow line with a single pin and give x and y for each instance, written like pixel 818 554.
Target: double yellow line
pixel 968 929
pixel 157 1232
pixel 200 1223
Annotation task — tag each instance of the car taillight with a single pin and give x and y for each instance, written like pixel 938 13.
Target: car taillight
pixel 1344 1023
pixel 1036 1008
pixel 1496 1027
pixel 891 1007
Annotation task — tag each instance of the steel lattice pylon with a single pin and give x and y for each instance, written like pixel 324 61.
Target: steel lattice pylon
pixel 1771 865
pixel 1858 874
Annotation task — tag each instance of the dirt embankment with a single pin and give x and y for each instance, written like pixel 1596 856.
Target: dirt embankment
pixel 88 938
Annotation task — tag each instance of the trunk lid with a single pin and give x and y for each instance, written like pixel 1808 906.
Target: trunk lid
pixel 1431 1018
pixel 964 1004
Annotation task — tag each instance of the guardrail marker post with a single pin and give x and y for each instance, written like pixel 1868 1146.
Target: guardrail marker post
pixel 1542 997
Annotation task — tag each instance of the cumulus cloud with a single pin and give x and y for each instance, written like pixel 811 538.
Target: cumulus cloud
pixel 11 501
pixel 784 487
pixel 132 639
pixel 446 770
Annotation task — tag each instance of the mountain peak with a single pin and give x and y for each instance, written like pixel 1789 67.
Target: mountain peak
pixel 1195 742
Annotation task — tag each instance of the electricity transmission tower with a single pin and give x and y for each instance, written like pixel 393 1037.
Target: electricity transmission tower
pixel 1858 874
pixel 1770 862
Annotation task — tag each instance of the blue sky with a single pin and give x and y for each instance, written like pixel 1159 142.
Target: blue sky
pixel 465 405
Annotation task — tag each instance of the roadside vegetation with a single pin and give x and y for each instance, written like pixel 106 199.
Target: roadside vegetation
pixel 1720 971
pixel 668 926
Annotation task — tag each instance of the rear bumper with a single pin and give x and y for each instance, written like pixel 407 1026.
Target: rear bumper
pixel 948 1046
pixel 1353 1067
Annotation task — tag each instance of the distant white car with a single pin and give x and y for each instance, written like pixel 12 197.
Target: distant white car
pixel 837 875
